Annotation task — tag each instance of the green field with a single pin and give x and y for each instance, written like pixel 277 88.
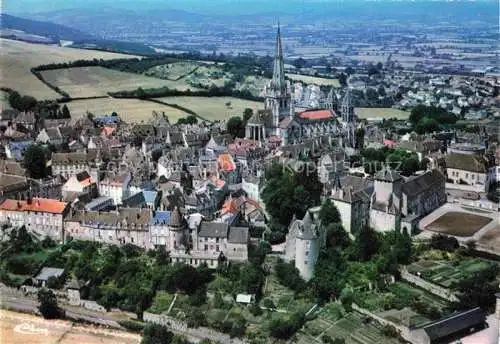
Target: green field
pixel 314 80
pixel 129 110
pixel 214 108
pixel 173 71
pixel 98 81
pixel 386 113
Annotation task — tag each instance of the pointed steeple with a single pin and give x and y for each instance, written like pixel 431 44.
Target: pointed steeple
pixel 346 107
pixel 278 81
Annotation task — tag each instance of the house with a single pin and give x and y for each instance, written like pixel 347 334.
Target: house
pixel 246 299
pixel 26 119
pixel 69 164
pixel 45 274
pixel 351 196
pixel 15 149
pixel 143 199
pixel 50 136
pixel 78 184
pixel 106 120
pixel 115 186
pixel 452 327
pixel 467 169
pixel 123 226
pixel 40 215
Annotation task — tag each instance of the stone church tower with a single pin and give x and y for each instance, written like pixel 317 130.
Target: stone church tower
pixel 348 121
pixel 278 93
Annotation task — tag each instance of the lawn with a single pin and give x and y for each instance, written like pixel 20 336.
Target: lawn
pixel 458 224
pixel 17 58
pixel 313 80
pixel 214 108
pixel 365 113
pixel 129 110
pixel 98 81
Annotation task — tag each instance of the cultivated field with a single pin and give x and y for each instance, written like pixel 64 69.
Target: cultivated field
pixel 173 71
pixel 4 101
pixel 352 328
pixel 365 113
pixel 98 81
pixel 314 80
pixel 17 58
pixel 458 224
pixel 449 274
pixel 214 108
pixel 25 328
pixel 130 110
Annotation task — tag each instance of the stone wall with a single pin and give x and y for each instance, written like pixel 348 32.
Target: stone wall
pixel 403 331
pixel 430 287
pixel 177 325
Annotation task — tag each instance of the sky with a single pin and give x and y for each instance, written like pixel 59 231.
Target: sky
pixel 197 6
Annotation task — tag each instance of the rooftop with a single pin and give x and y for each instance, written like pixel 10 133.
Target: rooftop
pixel 43 205
pixel 317 114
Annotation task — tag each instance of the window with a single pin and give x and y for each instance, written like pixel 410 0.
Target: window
pixel 206 247
pixel 307 253
pixel 217 240
pixel 473 176
pixel 305 262
pixel 466 175
pixel 211 247
pixel 217 248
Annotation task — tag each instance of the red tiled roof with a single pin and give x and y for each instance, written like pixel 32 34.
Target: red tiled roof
pixel 317 114
pixel 226 163
pixel 44 205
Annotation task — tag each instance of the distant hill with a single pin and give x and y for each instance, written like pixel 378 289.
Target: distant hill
pixel 36 31
pixel 53 31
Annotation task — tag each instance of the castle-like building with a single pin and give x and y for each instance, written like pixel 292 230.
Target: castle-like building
pixel 280 121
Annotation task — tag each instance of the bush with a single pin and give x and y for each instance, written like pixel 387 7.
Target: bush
pixel 131 325
pixel 48 305
pixel 285 328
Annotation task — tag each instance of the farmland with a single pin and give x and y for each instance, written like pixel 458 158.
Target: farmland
pixel 17 58
pixel 386 113
pixel 314 80
pixel 448 274
pixel 458 224
pixel 98 81
pixel 130 110
pixel 353 328
pixel 214 108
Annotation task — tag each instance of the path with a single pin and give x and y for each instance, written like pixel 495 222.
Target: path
pixel 172 304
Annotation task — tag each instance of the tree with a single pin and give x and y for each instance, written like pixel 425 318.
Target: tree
pixel 329 275
pixel 342 79
pixel 35 161
pixel 337 237
pixel 236 126
pixel 371 94
pixel 247 114
pixel 288 192
pixel 329 214
pixel 65 112
pixel 289 276
pixel 299 63
pixel 381 91
pixel 350 71
pixel 366 244
pixel 444 243
pixel 156 334
pixel 48 304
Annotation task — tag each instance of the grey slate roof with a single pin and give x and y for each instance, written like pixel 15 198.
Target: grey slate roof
pixel 429 180
pixel 388 175
pixel 465 162
pixel 213 230
pixel 46 273
pixel 455 323
pixel 238 235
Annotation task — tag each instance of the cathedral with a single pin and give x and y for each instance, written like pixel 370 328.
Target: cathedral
pixel 283 122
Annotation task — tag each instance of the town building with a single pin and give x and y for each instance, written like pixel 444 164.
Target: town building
pixel 42 216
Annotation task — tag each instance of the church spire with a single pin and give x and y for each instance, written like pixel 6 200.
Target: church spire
pixel 279 65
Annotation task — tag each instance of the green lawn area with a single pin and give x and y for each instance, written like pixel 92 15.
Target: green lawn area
pixel 214 108
pixel 161 302
pixel 364 113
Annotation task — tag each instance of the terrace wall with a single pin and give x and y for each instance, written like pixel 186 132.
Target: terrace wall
pixel 177 325
pixel 432 288
pixel 403 331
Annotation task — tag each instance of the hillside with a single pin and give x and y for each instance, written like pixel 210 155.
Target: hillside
pixel 54 31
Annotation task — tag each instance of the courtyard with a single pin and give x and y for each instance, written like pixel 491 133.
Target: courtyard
pixel 458 224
